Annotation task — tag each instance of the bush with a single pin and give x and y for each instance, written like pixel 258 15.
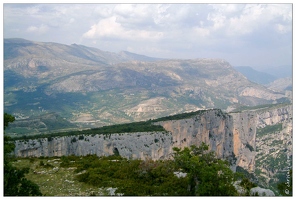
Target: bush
pixel 249 147
pixel 73 140
pixel 81 137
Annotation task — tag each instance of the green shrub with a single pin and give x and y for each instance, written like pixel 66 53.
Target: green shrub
pixel 249 147
pixel 81 137
pixel 73 140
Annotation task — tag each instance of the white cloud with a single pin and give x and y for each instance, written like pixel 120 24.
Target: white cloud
pixel 201 32
pixel 110 28
pixel 39 30
pixel 168 29
pixel 218 20
pixel 282 29
pixel 32 10
pixel 104 11
pixel 258 16
pixel 227 8
pixel 282 11
pixel 132 15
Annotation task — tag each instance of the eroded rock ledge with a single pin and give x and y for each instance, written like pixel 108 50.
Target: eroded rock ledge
pixel 232 136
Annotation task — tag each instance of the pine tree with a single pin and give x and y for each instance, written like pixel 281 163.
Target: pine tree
pixel 15 183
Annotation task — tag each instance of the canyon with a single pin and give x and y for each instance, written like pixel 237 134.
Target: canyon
pixel 232 136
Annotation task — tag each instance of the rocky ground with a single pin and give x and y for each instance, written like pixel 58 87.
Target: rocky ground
pixel 274 153
pixel 54 180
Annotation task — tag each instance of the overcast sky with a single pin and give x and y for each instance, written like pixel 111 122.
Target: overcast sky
pixel 243 34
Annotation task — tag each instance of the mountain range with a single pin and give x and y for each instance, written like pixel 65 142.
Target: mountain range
pixel 90 87
pixel 255 76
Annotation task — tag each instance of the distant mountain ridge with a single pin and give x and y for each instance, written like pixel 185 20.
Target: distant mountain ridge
pixel 283 71
pixel 91 87
pixel 254 75
pixel 134 56
pixel 281 84
pixel 72 51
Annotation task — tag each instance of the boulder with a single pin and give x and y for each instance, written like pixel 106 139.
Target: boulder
pixel 262 192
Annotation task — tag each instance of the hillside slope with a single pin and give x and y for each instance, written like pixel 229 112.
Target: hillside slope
pixel 92 88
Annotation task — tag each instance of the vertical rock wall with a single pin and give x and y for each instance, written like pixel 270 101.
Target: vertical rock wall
pixel 212 127
pixel 231 136
pixel 244 137
pixel 154 145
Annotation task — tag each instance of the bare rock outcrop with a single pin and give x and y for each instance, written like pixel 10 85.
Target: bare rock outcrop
pixel 262 192
pixel 231 136
pixel 154 145
pixel 244 135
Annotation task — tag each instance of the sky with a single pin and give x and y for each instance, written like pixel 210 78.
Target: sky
pixel 256 35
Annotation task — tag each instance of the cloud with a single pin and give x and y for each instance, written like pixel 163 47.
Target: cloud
pixel 257 16
pixel 162 30
pixel 201 32
pixel 111 28
pixel 218 20
pixel 39 30
pixel 282 29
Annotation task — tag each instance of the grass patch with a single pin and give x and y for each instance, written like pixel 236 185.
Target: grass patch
pixel 269 129
pixel 93 176
pixel 56 180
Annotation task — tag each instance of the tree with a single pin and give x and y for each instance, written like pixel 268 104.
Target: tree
pixel 285 188
pixel 8 145
pixel 15 183
pixel 208 175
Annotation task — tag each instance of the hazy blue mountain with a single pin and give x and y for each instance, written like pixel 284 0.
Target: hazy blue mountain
pixel 283 71
pixel 131 56
pixel 255 76
pixel 281 84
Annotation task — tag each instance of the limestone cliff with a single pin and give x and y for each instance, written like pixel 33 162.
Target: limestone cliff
pixel 232 136
pixel 274 116
pixel 274 145
pixel 212 127
pixel 153 145
pixel 244 134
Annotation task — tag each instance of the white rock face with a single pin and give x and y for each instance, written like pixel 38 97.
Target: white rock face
pixel 180 174
pixel 212 127
pixel 274 116
pixel 231 136
pixel 152 145
pixel 244 135
pixel 262 192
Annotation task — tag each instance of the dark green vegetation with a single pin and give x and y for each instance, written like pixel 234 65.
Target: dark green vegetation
pixel 43 124
pixel 15 182
pixel 181 116
pixel 120 128
pixel 274 155
pixel 249 147
pixel 249 176
pixel 269 129
pixel 144 126
pixel 286 186
pixel 207 175
pixel 278 165
pixel 203 175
